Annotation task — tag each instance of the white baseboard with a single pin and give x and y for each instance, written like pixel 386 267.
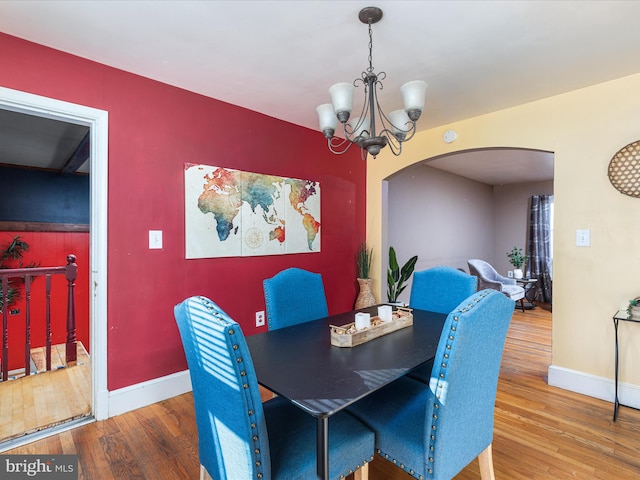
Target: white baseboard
pixel 156 390
pixel 594 386
pixel 146 393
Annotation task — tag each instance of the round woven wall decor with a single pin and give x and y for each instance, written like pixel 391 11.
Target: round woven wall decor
pixel 624 170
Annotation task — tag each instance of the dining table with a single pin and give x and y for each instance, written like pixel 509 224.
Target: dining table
pixel 300 364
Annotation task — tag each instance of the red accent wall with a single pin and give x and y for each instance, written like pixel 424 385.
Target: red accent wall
pixel 49 249
pixel 153 129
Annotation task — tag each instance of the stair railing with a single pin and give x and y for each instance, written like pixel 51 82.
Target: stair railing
pixel 29 274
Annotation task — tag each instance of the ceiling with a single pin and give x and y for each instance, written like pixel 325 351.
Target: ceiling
pixel 280 57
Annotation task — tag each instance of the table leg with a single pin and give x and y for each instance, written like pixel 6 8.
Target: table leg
pixel 616 402
pixel 322 448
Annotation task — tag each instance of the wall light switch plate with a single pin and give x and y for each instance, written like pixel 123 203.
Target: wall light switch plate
pixel 583 238
pixel 155 239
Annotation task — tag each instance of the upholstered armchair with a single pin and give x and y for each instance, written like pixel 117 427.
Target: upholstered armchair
pixel 294 296
pixel 239 437
pixel 439 289
pixel 488 277
pixel 433 431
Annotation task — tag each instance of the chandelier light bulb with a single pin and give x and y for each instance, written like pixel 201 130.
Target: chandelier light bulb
pixel 327 119
pixel 413 96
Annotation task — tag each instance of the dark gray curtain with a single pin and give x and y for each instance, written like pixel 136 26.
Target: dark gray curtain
pixel 539 250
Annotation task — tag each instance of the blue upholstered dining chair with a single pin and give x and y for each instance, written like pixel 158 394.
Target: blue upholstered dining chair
pixel 433 431
pixel 239 437
pixel 439 289
pixel 294 296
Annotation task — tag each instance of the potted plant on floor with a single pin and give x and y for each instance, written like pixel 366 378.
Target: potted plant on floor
pixel 396 276
pixel 518 260
pixel 363 266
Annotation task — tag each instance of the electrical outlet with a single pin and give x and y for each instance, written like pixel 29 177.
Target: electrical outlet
pixel 260 318
pixel 510 274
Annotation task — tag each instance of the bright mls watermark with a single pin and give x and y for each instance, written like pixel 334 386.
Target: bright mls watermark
pixel 49 467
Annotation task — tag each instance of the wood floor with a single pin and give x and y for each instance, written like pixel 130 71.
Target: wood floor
pixel 47 399
pixel 541 432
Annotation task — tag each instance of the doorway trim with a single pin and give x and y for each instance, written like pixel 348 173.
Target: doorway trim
pixel 98 123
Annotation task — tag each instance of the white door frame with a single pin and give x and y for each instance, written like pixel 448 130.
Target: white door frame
pixel 98 122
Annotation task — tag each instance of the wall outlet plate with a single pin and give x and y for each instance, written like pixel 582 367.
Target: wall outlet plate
pixel 510 274
pixel 260 318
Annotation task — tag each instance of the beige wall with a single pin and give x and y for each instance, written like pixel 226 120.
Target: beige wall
pixel 584 129
pixel 512 218
pixel 432 212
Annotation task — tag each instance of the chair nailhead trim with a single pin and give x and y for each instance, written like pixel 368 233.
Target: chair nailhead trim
pixel 443 365
pixel 235 347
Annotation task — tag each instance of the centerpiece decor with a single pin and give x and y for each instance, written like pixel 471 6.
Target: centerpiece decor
pixel 350 336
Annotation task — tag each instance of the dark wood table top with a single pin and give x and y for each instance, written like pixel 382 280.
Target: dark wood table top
pixel 300 364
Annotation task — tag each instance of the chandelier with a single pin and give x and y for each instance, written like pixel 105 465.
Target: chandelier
pixel 398 127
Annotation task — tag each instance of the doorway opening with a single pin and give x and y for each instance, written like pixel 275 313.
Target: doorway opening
pixel 467 204
pixel 97 122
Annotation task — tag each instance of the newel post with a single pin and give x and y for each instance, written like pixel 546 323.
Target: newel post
pixel 71 273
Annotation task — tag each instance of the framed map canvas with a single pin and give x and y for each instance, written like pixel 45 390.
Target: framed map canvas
pixel 234 213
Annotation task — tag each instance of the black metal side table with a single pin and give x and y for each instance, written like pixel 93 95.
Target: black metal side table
pixel 621 315
pixel 530 286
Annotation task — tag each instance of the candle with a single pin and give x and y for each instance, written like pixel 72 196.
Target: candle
pixel 384 312
pixel 363 320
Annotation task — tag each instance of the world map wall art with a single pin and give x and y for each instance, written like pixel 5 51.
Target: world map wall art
pixel 231 213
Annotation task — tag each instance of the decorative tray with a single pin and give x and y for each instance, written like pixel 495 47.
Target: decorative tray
pixel 348 336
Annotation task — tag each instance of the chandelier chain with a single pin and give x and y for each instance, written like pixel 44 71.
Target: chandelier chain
pixel 370 69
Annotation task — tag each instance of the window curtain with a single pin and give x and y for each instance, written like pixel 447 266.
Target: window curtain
pixel 539 251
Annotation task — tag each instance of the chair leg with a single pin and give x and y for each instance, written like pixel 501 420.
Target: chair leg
pixel 522 304
pixel 362 473
pixel 486 464
pixel 204 475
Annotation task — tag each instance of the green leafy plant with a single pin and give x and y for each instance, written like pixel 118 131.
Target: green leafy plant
pixel 13 251
pixel 517 258
pixel 633 303
pixel 396 276
pixel 363 260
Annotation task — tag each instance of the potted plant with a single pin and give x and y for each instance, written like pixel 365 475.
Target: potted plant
pixel 364 256
pixel 13 251
pixel 396 276
pixel 633 309
pixel 518 260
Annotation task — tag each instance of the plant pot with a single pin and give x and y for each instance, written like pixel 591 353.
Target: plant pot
pixel 517 273
pixel 365 296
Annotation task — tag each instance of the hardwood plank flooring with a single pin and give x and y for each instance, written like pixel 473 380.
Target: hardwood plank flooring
pixel 31 404
pixel 541 432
